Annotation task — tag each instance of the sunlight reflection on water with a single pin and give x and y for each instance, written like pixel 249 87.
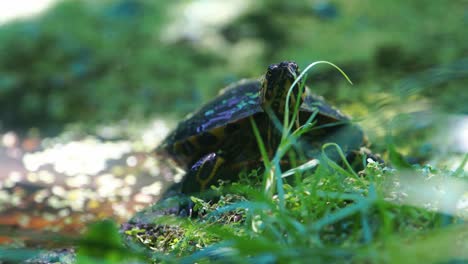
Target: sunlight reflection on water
pixel 87 156
pixel 90 177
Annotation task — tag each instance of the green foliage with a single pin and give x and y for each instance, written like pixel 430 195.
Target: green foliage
pixel 90 62
pixel 330 216
pixel 102 243
pixel 96 62
pixel 396 158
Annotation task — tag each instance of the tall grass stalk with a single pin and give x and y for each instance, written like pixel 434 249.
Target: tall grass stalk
pixel 273 171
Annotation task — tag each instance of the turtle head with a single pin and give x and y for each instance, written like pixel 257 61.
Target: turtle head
pixel 276 84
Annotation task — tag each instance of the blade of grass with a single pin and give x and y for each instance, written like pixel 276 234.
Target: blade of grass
pixel 287 126
pixel 267 178
pixel 342 156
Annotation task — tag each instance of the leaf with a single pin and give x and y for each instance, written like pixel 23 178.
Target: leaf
pixel 396 158
pixel 102 243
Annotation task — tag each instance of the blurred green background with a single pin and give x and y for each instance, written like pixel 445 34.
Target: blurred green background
pixel 95 62
pixel 91 87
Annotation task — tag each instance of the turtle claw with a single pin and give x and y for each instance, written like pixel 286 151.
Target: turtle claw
pixel 203 172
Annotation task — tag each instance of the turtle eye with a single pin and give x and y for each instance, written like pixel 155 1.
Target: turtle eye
pixel 293 66
pixel 272 68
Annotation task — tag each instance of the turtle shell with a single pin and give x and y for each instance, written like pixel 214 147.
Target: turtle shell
pixel 202 131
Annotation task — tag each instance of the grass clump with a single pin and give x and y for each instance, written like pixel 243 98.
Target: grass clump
pixel 331 213
pixel 328 216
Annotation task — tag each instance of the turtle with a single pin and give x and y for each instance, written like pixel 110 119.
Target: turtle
pixel 217 141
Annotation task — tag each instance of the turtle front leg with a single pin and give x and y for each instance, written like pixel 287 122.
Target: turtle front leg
pixel 176 200
pixel 203 172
